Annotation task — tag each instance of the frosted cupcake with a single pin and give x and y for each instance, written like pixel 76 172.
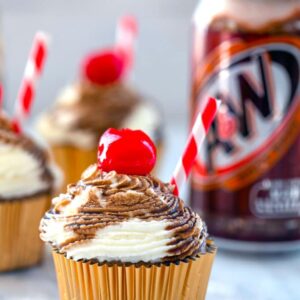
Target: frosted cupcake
pixel 83 111
pixel 27 179
pixel 121 233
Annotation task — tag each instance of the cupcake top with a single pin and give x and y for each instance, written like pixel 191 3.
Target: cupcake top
pixel 111 216
pixel 128 218
pixel 25 168
pixel 100 100
pixel 85 109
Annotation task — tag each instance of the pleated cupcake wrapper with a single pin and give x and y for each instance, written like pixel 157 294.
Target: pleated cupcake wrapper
pixel 183 280
pixel 159 155
pixel 73 161
pixel 20 245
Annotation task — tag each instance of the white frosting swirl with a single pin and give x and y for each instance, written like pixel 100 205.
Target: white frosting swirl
pixel 60 135
pixel 20 173
pixel 116 217
pixel 25 168
pixel 144 117
pixel 133 240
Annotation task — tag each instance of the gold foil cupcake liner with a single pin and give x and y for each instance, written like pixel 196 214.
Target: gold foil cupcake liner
pixel 73 161
pixel 20 245
pixel 183 280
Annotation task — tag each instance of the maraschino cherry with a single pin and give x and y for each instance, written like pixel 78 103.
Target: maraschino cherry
pixel 126 151
pixel 110 65
pixel 103 67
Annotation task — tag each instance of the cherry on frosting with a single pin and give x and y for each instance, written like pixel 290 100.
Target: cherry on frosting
pixel 126 151
pixel 103 67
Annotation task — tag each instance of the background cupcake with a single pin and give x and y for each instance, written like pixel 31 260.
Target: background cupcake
pixel 122 233
pixel 27 180
pixel 101 99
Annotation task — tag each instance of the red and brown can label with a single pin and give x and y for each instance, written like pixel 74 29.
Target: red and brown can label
pixel 259 121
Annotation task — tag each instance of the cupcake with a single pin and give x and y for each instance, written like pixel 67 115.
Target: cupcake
pixel 27 180
pixel 121 233
pixel 100 99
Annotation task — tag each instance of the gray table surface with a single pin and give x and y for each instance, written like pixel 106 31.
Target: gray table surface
pixel 235 276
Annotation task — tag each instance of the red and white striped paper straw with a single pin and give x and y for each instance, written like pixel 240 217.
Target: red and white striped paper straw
pixel 126 34
pixel 33 70
pixel 198 133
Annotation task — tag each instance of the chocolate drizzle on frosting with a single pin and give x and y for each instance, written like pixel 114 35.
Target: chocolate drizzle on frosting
pixel 96 107
pixel 83 111
pixel 5 124
pixel 102 199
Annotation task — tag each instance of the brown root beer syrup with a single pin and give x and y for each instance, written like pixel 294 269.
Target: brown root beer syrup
pixel 246 181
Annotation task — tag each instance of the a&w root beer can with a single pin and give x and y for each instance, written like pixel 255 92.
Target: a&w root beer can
pixel 246 181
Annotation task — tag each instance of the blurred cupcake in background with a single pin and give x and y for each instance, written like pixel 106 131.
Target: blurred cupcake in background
pixel 28 176
pixel 102 98
pixel 121 233
pixel 27 181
